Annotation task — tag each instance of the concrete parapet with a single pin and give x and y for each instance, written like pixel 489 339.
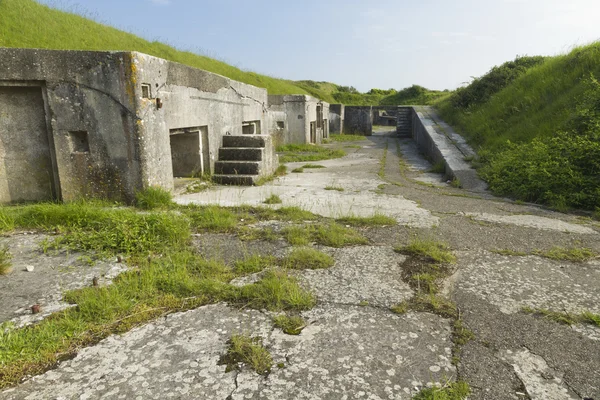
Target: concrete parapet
pixel 439 146
pixel 336 118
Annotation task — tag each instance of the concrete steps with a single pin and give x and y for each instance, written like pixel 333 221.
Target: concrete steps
pixel 404 127
pixel 240 161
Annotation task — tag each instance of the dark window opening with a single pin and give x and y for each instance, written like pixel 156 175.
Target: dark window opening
pixel 79 142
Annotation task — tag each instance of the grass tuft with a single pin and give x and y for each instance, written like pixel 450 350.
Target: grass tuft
pixel 5 260
pixel 313 166
pixel 298 170
pixel 435 251
pixel 307 258
pixel 346 137
pixel 253 263
pixel 450 391
pixel 375 220
pixel 307 152
pixel 249 351
pixel 291 325
pixel 152 198
pixel 337 188
pixel 273 199
pixel 565 318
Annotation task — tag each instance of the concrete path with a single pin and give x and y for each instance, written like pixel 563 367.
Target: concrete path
pixel 354 347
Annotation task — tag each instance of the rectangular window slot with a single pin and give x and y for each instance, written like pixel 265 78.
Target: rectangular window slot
pixel 146 91
pixel 251 127
pixel 280 125
pixel 79 142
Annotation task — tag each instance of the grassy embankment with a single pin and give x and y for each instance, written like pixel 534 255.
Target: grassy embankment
pixel 535 123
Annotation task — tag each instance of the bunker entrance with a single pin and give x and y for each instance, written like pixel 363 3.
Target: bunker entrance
pixel 190 154
pixel 26 173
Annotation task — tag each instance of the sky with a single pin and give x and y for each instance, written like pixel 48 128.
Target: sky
pixel 439 44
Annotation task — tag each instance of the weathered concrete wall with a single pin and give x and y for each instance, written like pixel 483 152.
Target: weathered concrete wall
pixel 336 118
pixel 436 144
pixel 91 125
pixel 385 115
pixel 192 100
pixel 299 111
pixel 358 120
pixel 99 124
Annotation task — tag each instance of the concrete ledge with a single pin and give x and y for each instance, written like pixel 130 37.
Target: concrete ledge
pixel 440 143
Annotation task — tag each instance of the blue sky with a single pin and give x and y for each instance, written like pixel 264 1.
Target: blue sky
pixel 439 44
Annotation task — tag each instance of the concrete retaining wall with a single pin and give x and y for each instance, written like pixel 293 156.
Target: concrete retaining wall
pixel 436 143
pixel 358 120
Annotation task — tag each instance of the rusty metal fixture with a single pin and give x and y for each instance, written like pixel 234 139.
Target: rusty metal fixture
pixel 36 308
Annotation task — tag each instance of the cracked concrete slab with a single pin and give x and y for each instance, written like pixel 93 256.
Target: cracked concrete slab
pixel 368 274
pixel 53 273
pixel 344 349
pixel 533 221
pixel 511 283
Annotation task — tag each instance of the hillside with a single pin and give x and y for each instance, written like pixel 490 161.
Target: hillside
pixel 26 23
pixel 536 124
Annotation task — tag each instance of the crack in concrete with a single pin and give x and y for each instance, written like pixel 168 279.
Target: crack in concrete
pixel 241 96
pixel 235 380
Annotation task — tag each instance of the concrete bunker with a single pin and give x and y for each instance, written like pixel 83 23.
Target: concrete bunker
pixel 298 119
pixel 85 124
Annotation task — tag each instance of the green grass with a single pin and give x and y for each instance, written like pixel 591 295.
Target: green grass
pixel 346 137
pixel 313 166
pixel 152 198
pixel 327 234
pixel 307 258
pixel 273 199
pixel 382 162
pixel 280 171
pixel 25 23
pixel 574 254
pixel 438 168
pixel 298 170
pixel 450 391
pixel 212 218
pixel 166 275
pixel 248 351
pixel 5 260
pixel 375 220
pixel 437 252
pixel 307 152
pixel 336 188
pixel 291 325
pixel 536 133
pixel 565 318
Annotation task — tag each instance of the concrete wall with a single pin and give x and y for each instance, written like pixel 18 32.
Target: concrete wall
pixel 298 112
pixel 336 118
pixel 97 124
pixel 90 144
pixel 380 113
pixel 191 99
pixel 358 120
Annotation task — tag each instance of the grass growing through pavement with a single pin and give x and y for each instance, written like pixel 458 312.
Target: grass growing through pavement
pixel 336 188
pixel 574 254
pixel 291 325
pixel 166 275
pixel 345 138
pixel 298 170
pixel 450 391
pixel 249 351
pixel 307 152
pixel 328 234
pixel 435 251
pixel 273 199
pixel 585 317
pixel 375 220
pixel 382 162
pixel 280 171
pixel 313 166
pixel 152 198
pixel 307 258
pixel 5 261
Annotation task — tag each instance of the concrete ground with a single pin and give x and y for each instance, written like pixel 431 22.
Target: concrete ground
pixel 353 346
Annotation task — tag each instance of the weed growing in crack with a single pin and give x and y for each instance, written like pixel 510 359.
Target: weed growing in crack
pixel 307 152
pixel 5 260
pixel 273 199
pixel 291 325
pixel 572 254
pixel 435 251
pixel 375 220
pixel 449 391
pixel 565 318
pixel 252 264
pixel 336 188
pixel 248 351
pixel 246 233
pixel 382 162
pixel 313 166
pixel 438 168
pixel 298 170
pixel 307 258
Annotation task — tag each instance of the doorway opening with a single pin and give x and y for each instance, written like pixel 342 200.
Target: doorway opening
pixel 190 152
